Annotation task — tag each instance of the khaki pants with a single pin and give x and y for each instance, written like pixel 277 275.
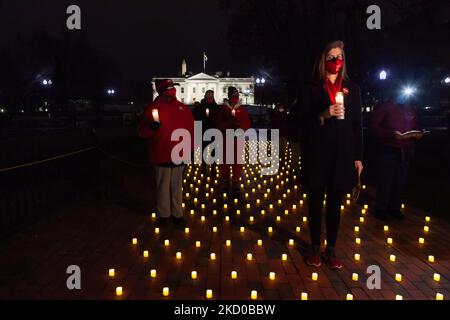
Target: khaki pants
pixel 169 195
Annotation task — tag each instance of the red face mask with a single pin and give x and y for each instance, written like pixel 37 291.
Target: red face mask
pixel 334 66
pixel 210 100
pixel 171 92
pixel 234 100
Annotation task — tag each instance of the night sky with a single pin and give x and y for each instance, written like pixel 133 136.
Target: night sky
pixel 144 38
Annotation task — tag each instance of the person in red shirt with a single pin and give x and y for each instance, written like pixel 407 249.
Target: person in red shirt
pixel 395 151
pixel 232 115
pixel 161 118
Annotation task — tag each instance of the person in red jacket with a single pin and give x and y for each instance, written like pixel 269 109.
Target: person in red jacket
pixel 232 115
pixel 161 118
pixel 396 127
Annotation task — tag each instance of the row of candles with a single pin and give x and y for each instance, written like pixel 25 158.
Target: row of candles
pixel 271 275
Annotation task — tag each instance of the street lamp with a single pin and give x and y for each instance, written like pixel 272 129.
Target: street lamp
pixel 409 91
pixel 383 75
pixel 447 80
pixel 111 92
pixel 47 82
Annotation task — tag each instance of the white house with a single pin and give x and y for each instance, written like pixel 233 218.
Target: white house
pixel 193 88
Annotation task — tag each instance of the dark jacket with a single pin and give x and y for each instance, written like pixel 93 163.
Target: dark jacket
pixel 279 120
pixel 329 150
pixel 199 113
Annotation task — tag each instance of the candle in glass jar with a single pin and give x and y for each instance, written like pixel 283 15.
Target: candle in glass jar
pixel 165 291
pixel 207 112
pixel 233 113
pixel 155 115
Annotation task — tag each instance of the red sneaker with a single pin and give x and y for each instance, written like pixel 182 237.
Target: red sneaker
pixel 334 263
pixel 314 261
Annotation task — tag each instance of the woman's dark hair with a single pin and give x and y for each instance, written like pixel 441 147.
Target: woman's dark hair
pixel 320 73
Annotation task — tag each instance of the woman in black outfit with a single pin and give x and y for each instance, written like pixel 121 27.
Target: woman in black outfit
pixel 331 144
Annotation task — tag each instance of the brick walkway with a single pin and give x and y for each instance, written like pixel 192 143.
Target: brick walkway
pixel 97 235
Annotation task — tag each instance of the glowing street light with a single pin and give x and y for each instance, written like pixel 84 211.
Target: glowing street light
pixel 383 75
pixel 409 91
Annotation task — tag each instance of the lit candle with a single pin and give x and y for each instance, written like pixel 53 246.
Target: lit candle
pixel 358 241
pixel 186 230
pixel 209 294
pixel 366 206
pixel 165 291
pixel 111 273
pixel 242 229
pixel 361 219
pixel 439 296
pixel 194 275
pixel 357 256
pixel 254 294
pixel 386 228
pixel 430 258
pixel 392 258
pixel 134 241
pixel 166 243
pixel 426 228
pixel 227 218
pixel 156 230
pixel 389 240
pixel 340 100
pixel 178 255
pixel 291 242
pixel 233 113
pixel 228 243
pixel 202 218
pixel 213 256
pixel 314 276
pixel 272 275
pixel 145 254
pixel 297 229
pixel 119 291
pixel 349 296
pixel 355 277
pixel 153 273
pixel 198 244
pixel 427 219
pixel 305 219
pixel 304 296
pixel 269 229
pixel 207 112
pixel 214 229
pixel 153 215
pixel 437 277
pixel 249 256
pixel 155 115
pixel 259 242
pixel 356 229
pixel 233 275
pixel 398 277
pixel 398 297
pixel 421 240
pixel 284 257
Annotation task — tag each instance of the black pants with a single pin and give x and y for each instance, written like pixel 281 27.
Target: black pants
pixel 333 216
pixel 392 171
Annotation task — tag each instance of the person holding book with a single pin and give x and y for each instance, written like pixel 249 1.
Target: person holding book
pixel 396 127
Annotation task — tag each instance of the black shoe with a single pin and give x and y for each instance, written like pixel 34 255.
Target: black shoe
pixel 398 215
pixel 180 222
